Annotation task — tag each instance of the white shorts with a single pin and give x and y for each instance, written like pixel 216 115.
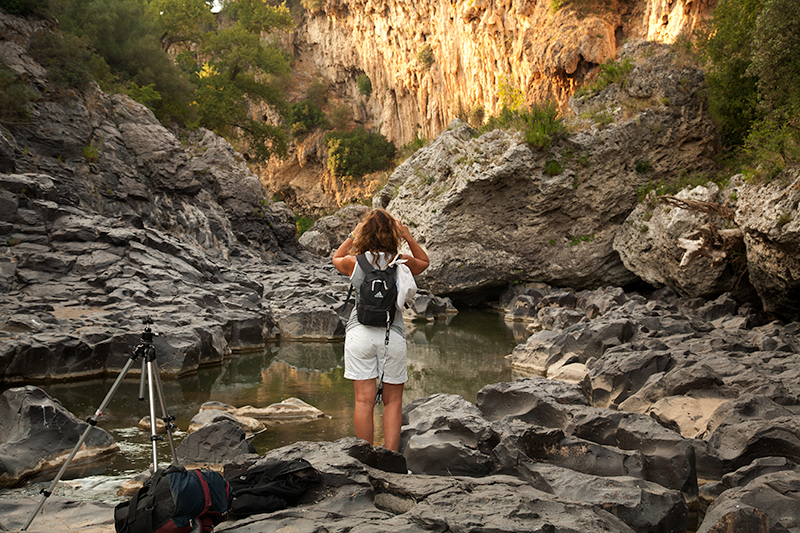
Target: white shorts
pixel 364 353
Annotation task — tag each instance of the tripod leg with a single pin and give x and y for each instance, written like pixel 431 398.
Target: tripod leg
pixel 166 417
pixel 151 398
pixel 142 378
pixel 92 422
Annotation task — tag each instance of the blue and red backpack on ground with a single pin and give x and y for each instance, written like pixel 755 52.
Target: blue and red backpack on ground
pixel 171 499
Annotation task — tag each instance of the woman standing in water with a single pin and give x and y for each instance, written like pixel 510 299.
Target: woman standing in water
pixel 378 237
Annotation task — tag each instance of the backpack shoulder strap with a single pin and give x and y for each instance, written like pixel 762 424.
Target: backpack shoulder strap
pixel 364 264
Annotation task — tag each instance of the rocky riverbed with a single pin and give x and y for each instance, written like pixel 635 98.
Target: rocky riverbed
pixel 661 413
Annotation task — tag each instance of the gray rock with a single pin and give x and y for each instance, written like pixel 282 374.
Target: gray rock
pixel 214 444
pixel 357 497
pixel 36 434
pixel 328 233
pixel 648 244
pixel 767 214
pixel 60 511
pixel 446 435
pixel 768 503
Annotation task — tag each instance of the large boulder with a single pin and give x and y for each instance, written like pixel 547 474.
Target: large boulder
pixel 446 435
pixel 329 232
pixel 215 444
pixel 37 435
pixel 768 503
pixel 650 246
pixel 768 216
pixel 518 221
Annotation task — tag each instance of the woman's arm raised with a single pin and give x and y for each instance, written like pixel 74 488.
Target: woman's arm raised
pixel 419 261
pixel 343 262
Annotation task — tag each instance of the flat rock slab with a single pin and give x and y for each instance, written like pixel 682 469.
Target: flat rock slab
pixel 58 514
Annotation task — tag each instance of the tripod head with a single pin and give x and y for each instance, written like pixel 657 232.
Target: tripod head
pixel 145 349
pixel 147 333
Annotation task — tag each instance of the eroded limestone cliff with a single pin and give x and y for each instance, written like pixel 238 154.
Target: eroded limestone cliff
pixel 475 47
pixel 431 62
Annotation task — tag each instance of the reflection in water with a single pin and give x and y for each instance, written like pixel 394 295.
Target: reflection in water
pixel 455 358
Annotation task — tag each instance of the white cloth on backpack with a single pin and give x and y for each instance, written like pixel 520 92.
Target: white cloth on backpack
pixel 406 286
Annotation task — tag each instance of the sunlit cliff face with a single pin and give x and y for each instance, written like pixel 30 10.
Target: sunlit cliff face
pixel 435 60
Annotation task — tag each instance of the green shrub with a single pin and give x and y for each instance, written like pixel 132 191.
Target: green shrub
pixel 543 125
pixel 303 224
pixel 69 59
pixel 304 116
pixel 540 124
pixel 611 72
pixel 340 116
pixel 412 146
pixel 476 115
pixel 15 96
pixel 553 167
pixel 643 166
pixel 425 56
pixel 36 8
pixel 147 95
pixel 316 91
pixel 91 152
pixel 725 44
pixel 313 5
pixel 364 85
pixel 351 154
pixel 510 96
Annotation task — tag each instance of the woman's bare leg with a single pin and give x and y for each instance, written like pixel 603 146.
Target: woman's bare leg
pixel 392 415
pixel 365 390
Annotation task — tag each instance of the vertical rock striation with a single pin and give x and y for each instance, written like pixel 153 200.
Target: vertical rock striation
pixel 432 61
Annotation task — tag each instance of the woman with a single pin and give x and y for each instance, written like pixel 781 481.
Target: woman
pixel 379 237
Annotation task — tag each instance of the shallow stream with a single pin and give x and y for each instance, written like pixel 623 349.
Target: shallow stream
pixel 457 357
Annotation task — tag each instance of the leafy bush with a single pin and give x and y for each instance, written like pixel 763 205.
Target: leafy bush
pixel 351 154
pixel 364 85
pixel 340 116
pixel 304 116
pixel 412 146
pixel 643 166
pixel 540 124
pixel 476 115
pixel 510 97
pixel 752 54
pixel 725 44
pixel 36 8
pixel 553 167
pixel 425 56
pixel 610 72
pixel 69 59
pixel 14 97
pixel 313 5
pixel 303 224
pixel 316 91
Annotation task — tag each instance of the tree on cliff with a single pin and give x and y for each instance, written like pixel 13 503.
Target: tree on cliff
pixel 752 53
pixel 123 34
pixel 234 69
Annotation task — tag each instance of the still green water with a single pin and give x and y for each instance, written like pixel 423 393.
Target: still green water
pixel 457 357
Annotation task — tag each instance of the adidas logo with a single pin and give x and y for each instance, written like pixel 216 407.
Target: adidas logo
pixel 378 295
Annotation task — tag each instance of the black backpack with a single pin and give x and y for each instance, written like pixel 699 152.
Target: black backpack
pixel 270 486
pixel 171 498
pixel 378 294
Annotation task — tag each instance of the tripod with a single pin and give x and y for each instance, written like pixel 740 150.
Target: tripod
pixel 149 376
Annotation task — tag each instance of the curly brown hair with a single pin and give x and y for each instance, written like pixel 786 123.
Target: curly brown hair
pixel 377 233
